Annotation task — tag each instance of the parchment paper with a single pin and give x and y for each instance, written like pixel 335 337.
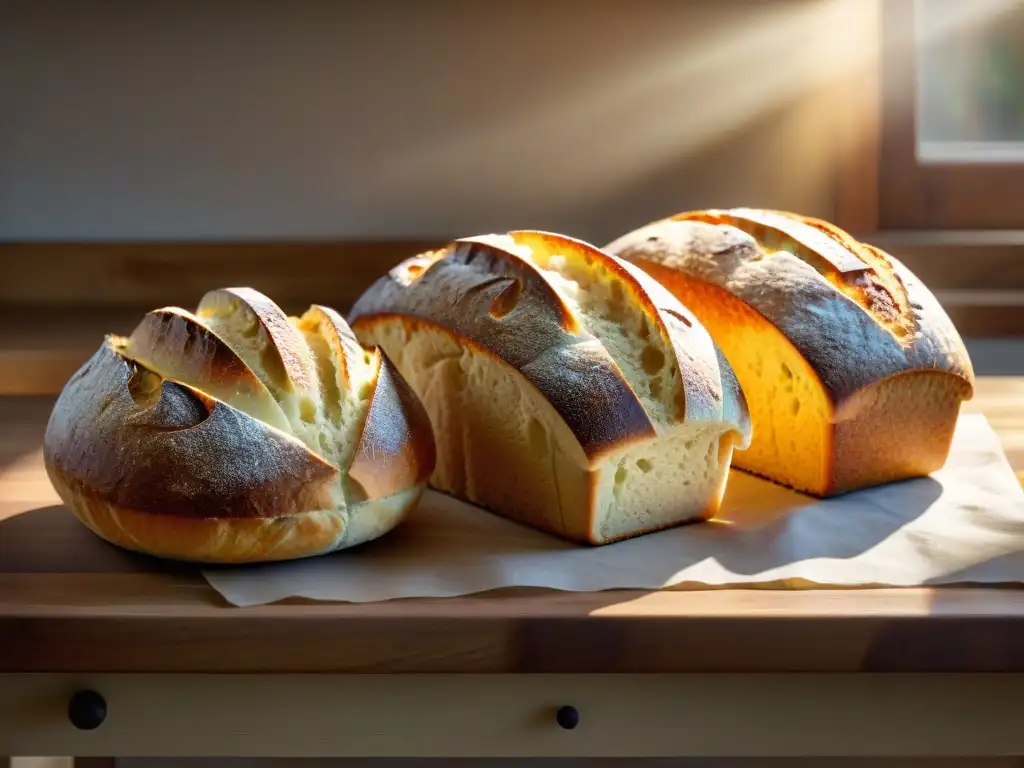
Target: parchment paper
pixel 964 524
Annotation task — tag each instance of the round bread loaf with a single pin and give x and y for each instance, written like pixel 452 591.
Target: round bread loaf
pixel 238 434
pixel 853 372
pixel 567 389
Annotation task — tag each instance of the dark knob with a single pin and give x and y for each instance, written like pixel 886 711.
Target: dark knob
pixel 567 717
pixel 87 710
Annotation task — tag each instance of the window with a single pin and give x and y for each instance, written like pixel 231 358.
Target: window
pixel 931 151
pixel 952 138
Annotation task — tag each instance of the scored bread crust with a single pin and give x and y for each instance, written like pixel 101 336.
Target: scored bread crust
pixel 847 345
pixel 460 291
pixel 122 434
pixel 148 448
pixel 396 444
pixel 869 331
pixel 464 283
pixel 500 300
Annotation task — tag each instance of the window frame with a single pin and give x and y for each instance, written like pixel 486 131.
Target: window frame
pixel 973 264
pixel 932 196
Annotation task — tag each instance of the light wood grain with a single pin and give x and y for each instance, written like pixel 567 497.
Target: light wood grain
pixel 69 602
pixel 506 716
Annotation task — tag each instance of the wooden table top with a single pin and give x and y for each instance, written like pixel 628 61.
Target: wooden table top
pixel 71 603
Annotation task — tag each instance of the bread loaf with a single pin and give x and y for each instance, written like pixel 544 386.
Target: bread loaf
pixel 853 372
pixel 567 390
pixel 238 434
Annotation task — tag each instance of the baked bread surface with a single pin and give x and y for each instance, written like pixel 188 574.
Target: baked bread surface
pixel 566 389
pixel 238 434
pixel 853 372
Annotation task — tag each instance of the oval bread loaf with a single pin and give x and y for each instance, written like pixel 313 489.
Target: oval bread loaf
pixel 238 434
pixel 853 372
pixel 567 390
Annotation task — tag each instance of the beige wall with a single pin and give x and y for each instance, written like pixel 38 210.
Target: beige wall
pixel 400 118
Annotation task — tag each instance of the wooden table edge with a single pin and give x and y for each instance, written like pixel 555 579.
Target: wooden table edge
pixel 148 623
pixel 130 617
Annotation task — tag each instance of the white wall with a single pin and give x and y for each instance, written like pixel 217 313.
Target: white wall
pixel 395 118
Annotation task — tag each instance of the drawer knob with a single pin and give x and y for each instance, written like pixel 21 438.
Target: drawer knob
pixel 567 717
pixel 87 710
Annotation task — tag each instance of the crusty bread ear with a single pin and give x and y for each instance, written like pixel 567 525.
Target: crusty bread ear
pixel 654 339
pixel 264 337
pixel 853 372
pixel 390 443
pixel 350 368
pixel 157 466
pixel 395 447
pixel 176 344
pixel 301 441
pixel 566 389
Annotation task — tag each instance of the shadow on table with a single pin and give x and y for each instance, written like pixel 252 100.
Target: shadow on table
pixel 450 548
pixel 771 526
pixel 767 527
pixel 51 540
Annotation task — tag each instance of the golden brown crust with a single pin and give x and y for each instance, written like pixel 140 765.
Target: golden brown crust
pixel 340 339
pixel 855 326
pixel 539 336
pixel 238 540
pixel 285 355
pixel 739 328
pixel 898 428
pixel 120 433
pixel 577 413
pixel 504 447
pixel 864 276
pixel 207 539
pixel 396 446
pixel 700 361
pixel 172 339
pixel 489 290
pixel 169 442
pixel 881 370
pixel 502 256
pixel 177 345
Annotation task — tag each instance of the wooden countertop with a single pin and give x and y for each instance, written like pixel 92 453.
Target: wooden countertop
pixel 69 602
pixel 40 347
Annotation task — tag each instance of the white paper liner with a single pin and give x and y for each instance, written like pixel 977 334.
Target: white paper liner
pixel 964 524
